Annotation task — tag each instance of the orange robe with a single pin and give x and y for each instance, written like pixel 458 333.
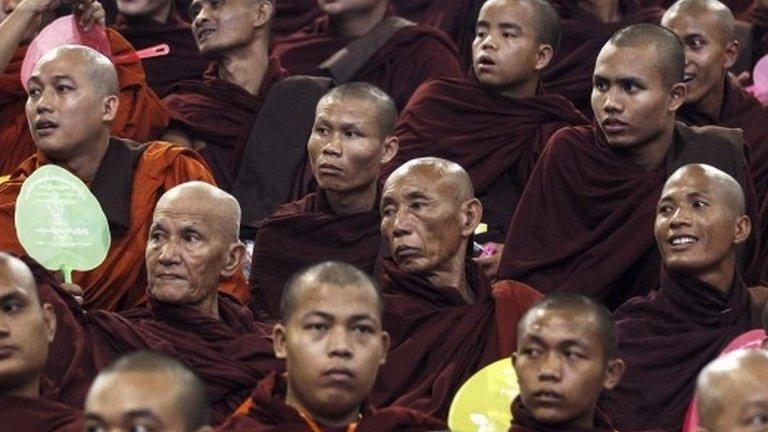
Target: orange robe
pixel 140 117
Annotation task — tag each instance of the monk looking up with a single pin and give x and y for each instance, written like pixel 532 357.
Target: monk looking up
pixel 352 137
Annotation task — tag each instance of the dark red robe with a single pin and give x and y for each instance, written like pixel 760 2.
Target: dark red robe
pixel 22 414
pixel 523 421
pixel 221 114
pixel 495 138
pixel 448 338
pixel 410 57
pixel 666 339
pixel 307 232
pixel 266 411
pixel 585 220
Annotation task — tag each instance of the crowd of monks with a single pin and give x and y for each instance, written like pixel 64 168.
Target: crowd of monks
pixel 327 215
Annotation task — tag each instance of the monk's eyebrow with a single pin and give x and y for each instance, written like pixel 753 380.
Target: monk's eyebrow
pixel 482 24
pixel 416 195
pixel 13 295
pixel 318 314
pixel 510 26
pixel 139 413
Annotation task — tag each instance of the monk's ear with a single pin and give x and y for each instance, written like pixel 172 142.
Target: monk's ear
pixel 235 257
pixel 109 107
pixel 731 54
pixel 263 13
pixel 614 370
pixel 472 215
pixel 385 340
pixel 543 56
pixel 49 317
pixel 391 145
pixel 741 229
pixel 677 96
pixel 278 341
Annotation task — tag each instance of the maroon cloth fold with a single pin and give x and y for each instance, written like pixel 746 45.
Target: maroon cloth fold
pixel 523 421
pixel 221 114
pixel 183 62
pixel 267 411
pixel 410 57
pixel 292 16
pixel 22 414
pixel 439 340
pixel 306 232
pixel 497 139
pixel 666 338
pixel 570 71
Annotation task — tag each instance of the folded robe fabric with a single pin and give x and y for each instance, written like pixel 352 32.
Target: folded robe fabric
pixel 523 421
pixel 23 414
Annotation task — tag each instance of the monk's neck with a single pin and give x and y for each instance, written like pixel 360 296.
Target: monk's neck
pixel 28 390
pixel 711 104
pixel 341 421
pixel 209 306
pixel 607 11
pixel 652 154
pixel 521 90
pixel 358 24
pixel 720 276
pixel 84 166
pixel 161 15
pixel 454 276
pixel 245 67
pixel 354 202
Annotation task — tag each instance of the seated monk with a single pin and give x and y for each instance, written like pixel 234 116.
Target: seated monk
pixel 73 100
pixel 353 135
pixel 390 52
pixel 147 391
pixel 441 311
pixel 141 117
pixel 667 337
pixel 494 123
pixel 330 335
pixel 149 23
pixel 565 359
pixel 27 327
pixel 733 393
pixel 592 196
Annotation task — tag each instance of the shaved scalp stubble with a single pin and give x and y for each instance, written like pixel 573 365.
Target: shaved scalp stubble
pixel 100 69
pixel 725 19
pixel 670 54
pixel 386 111
pixel 205 196
pixel 730 189
pixel 17 270
pixel 443 169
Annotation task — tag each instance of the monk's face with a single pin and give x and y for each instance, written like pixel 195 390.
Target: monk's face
pixel 157 10
pixel 347 7
pixel 561 367
pixel 631 101
pixel 696 231
pixel 708 54
pixel 66 111
pixel 134 400
pixel 347 147
pixel 333 345
pixel 421 221
pixel 743 399
pixel 505 52
pixel 26 328
pixel 219 26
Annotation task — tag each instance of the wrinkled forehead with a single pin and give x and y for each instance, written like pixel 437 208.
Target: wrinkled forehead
pixel 348 109
pixel 419 179
pixel 200 215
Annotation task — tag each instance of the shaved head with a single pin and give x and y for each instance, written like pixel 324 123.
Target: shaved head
pixel 670 55
pixel 101 71
pixel 439 169
pixel 198 196
pixel 368 93
pixel 14 270
pixel 545 20
pixel 725 19
pixel 722 182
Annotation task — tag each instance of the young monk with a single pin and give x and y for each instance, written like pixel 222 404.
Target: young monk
pixel 565 359
pixel 495 122
pixel 667 337
pixel 352 137
pixel 147 391
pixel 73 101
pixel 331 337
pixel 27 327
pixel 442 312
pixel 399 55
pixel 616 170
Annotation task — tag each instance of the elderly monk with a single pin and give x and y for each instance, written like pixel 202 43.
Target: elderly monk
pixel 27 327
pixel 330 334
pixel 565 359
pixel 495 122
pixel 733 393
pixel 701 306
pixel 147 391
pixel 392 53
pixel 73 100
pixel 352 136
pixel 616 170
pixel 441 311
pixel 147 23
pixel 141 116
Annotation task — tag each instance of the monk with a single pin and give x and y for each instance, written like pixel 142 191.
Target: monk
pixel 732 393
pixel 391 53
pixel 330 334
pixel 146 24
pixel 27 327
pixel 565 359
pixel 141 117
pixel 701 306
pixel 73 100
pixel 147 391
pixel 616 170
pixel 352 137
pixel 442 312
pixel 495 122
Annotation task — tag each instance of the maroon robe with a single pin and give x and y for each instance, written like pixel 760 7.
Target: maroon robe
pixel 495 138
pixel 221 114
pixel 266 411
pixel 307 232
pixel 292 16
pixel 585 220
pixel 183 62
pixel 411 56
pixel 666 339
pixel 523 421
pixel 448 338
pixel 570 71
pixel 22 414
